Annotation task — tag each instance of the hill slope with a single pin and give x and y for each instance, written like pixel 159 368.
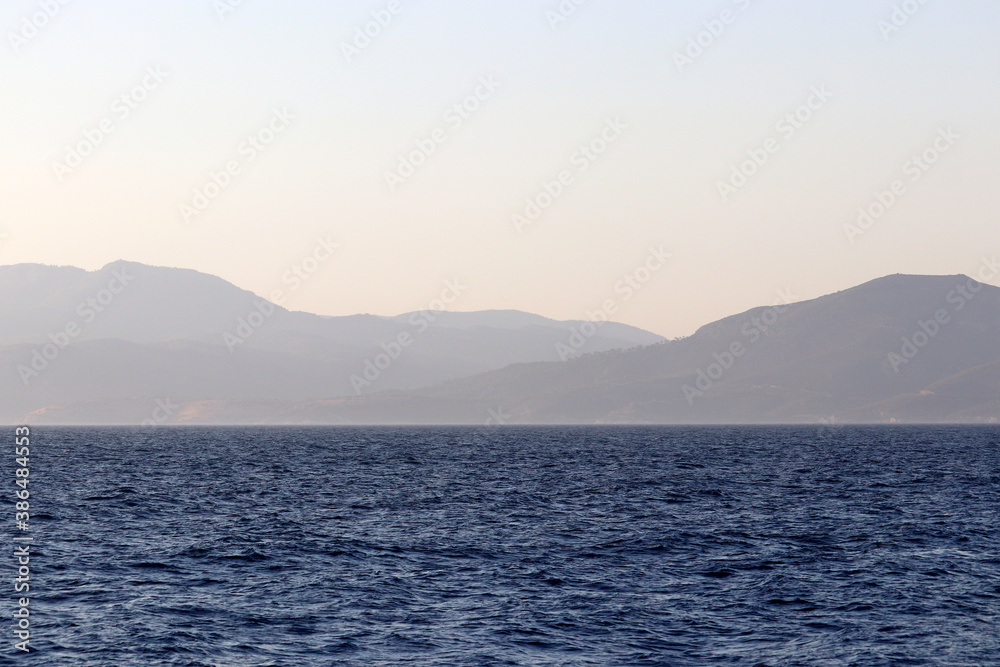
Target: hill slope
pixel 900 348
pixel 135 332
pixel 871 353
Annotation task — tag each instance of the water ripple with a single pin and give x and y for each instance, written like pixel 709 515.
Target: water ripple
pixel 522 546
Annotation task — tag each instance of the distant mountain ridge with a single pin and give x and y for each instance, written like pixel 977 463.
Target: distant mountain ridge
pixel 899 348
pixel 895 349
pixel 134 332
pixel 891 349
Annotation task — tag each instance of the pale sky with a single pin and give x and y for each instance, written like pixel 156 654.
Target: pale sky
pixel 199 77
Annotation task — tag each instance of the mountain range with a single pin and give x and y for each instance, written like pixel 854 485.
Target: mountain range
pixel 137 344
pixel 102 343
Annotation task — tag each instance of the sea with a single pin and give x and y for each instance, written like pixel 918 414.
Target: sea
pixel 602 545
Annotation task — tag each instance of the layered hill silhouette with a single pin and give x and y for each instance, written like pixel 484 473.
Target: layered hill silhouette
pixel 896 349
pixel 109 342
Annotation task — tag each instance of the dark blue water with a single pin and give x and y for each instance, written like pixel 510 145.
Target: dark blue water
pixel 520 546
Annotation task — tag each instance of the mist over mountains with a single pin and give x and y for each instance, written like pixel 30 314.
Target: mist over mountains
pixel 132 343
pixel 107 342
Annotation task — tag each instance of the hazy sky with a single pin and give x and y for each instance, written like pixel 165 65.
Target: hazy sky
pixel 309 118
